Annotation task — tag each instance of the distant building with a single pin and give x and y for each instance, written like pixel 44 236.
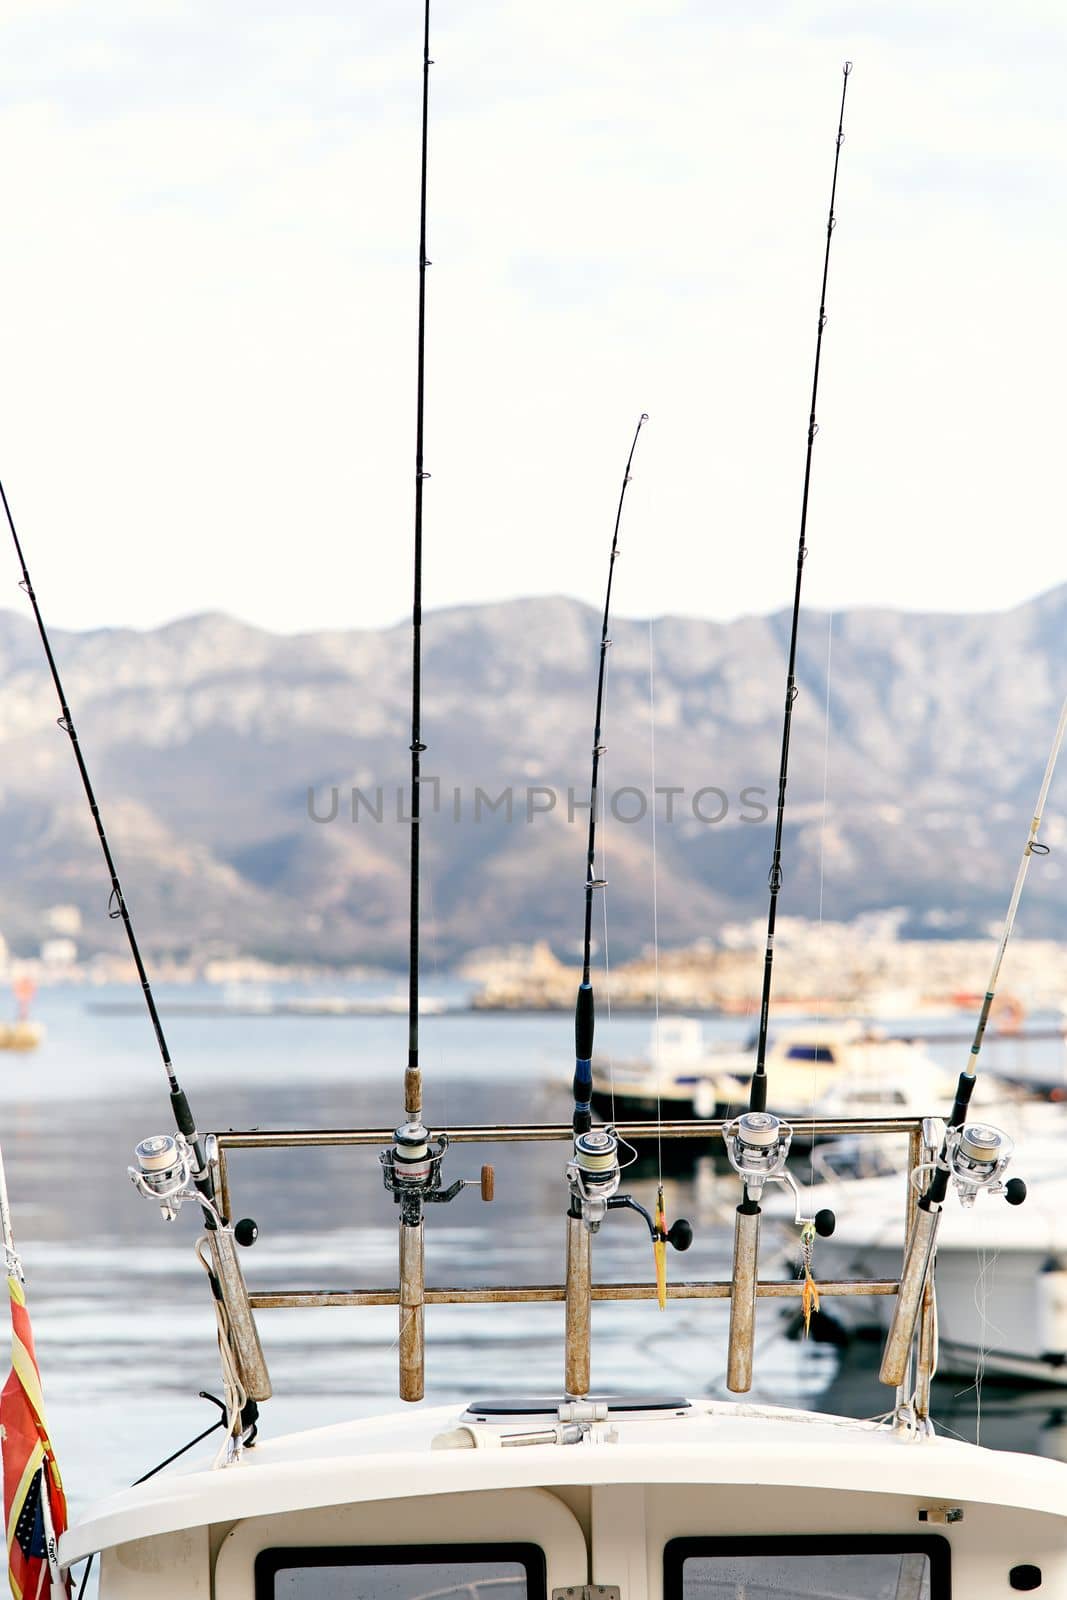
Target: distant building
pixel 57 953
pixel 66 921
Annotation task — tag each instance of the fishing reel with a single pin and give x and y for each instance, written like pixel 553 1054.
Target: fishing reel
pixel 594 1174
pixel 411 1171
pixel 757 1147
pixel 977 1156
pixel 164 1172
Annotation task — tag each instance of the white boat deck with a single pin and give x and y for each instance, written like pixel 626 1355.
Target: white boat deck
pixel 714 1443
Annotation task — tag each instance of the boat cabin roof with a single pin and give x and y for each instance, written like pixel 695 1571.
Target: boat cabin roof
pixel 438 1450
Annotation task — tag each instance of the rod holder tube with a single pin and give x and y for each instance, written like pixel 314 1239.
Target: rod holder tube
pixel 743 1298
pixel 578 1302
pixel 926 1359
pixel 246 1348
pixel 412 1313
pixel 917 1258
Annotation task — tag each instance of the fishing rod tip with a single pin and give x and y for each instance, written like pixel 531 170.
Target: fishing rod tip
pixel 644 416
pixel 847 68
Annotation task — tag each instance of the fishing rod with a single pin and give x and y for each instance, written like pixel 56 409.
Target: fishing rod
pixel 593 1172
pixel 758 1087
pixel 584 1011
pixel 757 1143
pixel 411 1168
pixel 973 1156
pixel 167 1166
pixel 117 907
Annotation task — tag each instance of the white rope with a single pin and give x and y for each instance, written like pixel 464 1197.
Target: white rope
pixel 12 1261
pixel 233 1390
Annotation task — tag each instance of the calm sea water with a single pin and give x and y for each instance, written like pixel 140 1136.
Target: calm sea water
pixel 124 1326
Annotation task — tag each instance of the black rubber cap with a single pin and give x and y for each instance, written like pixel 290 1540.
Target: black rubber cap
pixel 680 1234
pixel 1015 1194
pixel 246 1231
pixel 825 1223
pixel 1025 1577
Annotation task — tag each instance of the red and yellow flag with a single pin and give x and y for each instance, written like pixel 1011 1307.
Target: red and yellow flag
pixel 35 1507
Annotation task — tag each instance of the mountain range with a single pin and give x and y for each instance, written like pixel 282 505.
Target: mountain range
pixel 220 753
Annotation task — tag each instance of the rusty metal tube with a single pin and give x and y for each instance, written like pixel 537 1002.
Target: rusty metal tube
pixel 743 1298
pixel 926 1361
pixel 412 1301
pixel 918 1256
pixel 244 1335
pixel 577 1313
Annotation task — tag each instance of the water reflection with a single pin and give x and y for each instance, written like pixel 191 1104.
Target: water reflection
pixel 124 1326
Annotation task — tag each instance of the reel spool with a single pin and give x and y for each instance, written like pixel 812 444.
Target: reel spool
pixel 594 1174
pixel 978 1156
pixel 411 1171
pixel 757 1144
pixel 163 1171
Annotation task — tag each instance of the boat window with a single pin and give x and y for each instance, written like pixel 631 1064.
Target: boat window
pixel 401 1572
pixel 811 1052
pixel 807 1569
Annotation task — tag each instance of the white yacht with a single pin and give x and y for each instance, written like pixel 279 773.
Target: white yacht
pixel 1001 1272
pixel 574 1495
pixel 821 1069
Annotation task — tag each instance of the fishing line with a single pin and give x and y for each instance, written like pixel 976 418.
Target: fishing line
pixel 655 907
pixel 584 1010
pixel 987 1263
pixel 438 1035
pixel 822 870
pixel 604 904
pixel 117 907
pixel 181 1451
pixel 413 1076
pixel 758 1087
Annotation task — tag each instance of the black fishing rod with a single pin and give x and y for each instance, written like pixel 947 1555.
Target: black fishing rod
pixel 411 1167
pixel 413 1077
pixel 584 1012
pixel 594 1171
pixel 758 1089
pixel 117 907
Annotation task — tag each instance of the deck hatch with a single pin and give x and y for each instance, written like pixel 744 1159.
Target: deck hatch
pixel 401 1572
pixel 818 1568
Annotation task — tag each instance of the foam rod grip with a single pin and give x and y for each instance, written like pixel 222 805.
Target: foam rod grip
pixel 584 1021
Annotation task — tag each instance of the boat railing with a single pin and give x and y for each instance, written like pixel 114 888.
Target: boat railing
pixel 578 1290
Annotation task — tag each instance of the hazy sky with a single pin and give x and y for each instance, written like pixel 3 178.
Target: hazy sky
pixel 209 275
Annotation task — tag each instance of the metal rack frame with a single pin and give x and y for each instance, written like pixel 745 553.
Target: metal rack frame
pixel 578 1291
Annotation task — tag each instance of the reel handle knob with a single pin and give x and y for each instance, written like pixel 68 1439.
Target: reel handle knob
pixel 825 1223
pixel 488 1183
pixel 1015 1191
pixel 680 1234
pixel 246 1231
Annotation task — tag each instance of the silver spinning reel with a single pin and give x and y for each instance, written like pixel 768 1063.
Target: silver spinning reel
pixel 977 1156
pixel 164 1172
pixel 757 1147
pixel 594 1174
